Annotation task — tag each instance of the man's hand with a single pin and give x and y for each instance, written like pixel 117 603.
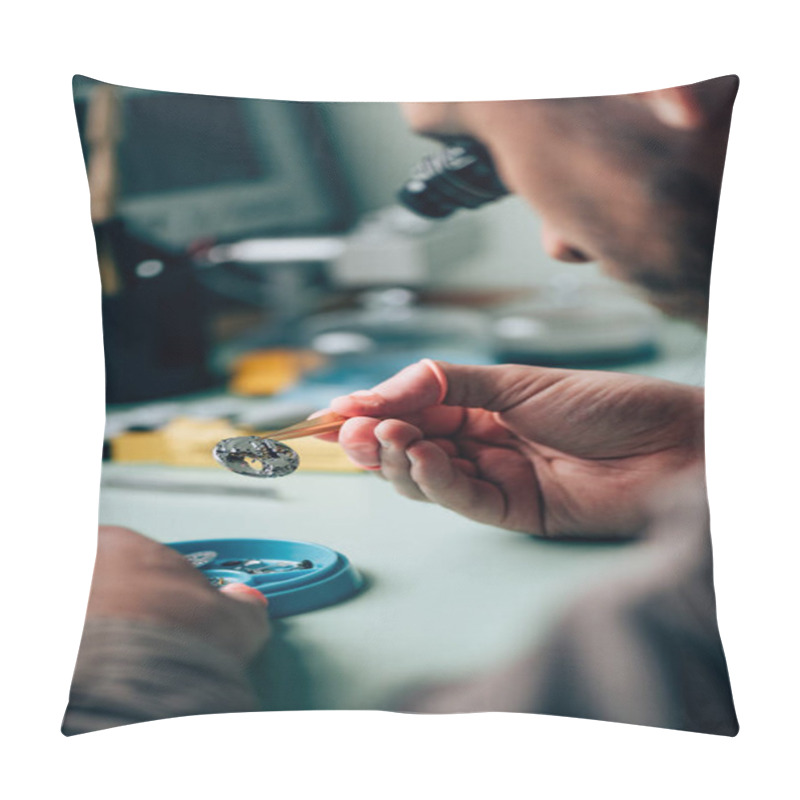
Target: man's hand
pixel 137 578
pixel 545 451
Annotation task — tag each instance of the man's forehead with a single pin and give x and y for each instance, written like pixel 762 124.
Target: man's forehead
pixel 442 118
pixel 480 119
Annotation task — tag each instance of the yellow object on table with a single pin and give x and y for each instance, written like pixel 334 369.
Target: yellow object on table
pixel 188 442
pixel 265 372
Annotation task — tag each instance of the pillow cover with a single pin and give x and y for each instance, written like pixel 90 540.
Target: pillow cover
pixel 261 261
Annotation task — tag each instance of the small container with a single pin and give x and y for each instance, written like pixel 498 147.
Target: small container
pixel 320 577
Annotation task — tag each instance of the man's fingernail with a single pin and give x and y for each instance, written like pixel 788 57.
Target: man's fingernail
pixel 243 588
pixel 441 378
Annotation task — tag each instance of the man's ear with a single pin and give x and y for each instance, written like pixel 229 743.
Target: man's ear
pixel 678 107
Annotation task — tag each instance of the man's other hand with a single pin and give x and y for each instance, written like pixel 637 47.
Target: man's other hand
pixel 137 578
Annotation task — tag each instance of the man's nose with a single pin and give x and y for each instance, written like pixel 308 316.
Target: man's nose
pixel 561 250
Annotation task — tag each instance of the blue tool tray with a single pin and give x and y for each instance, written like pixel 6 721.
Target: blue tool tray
pixel 315 576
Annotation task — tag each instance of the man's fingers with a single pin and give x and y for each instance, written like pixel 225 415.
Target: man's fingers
pixel 448 445
pixel 244 593
pixel 466 466
pixel 357 438
pixel 384 444
pixel 247 620
pixel 443 481
pixel 395 437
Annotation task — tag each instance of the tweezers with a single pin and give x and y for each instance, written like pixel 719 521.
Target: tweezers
pixel 325 423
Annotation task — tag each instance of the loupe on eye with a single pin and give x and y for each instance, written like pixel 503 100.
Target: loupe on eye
pixel 462 175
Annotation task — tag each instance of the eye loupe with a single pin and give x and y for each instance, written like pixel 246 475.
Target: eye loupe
pixel 461 175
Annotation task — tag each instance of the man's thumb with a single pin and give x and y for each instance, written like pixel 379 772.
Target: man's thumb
pixel 428 383
pixel 244 593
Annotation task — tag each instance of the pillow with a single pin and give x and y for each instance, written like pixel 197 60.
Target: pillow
pixel 498 307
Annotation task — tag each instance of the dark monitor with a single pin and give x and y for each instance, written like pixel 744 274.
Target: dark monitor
pixel 199 167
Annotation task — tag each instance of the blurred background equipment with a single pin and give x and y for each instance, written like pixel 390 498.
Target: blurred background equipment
pixel 254 263
pixel 223 225
pixel 198 167
pixel 154 338
pixel 169 173
pixel 574 323
pixel 292 279
pixel 389 329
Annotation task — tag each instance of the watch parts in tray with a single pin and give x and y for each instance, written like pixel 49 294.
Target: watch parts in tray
pixel 261 566
pixel 201 558
pixel 249 566
pixel 256 457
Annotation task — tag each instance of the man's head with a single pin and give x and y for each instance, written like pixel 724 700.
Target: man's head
pixel 629 181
